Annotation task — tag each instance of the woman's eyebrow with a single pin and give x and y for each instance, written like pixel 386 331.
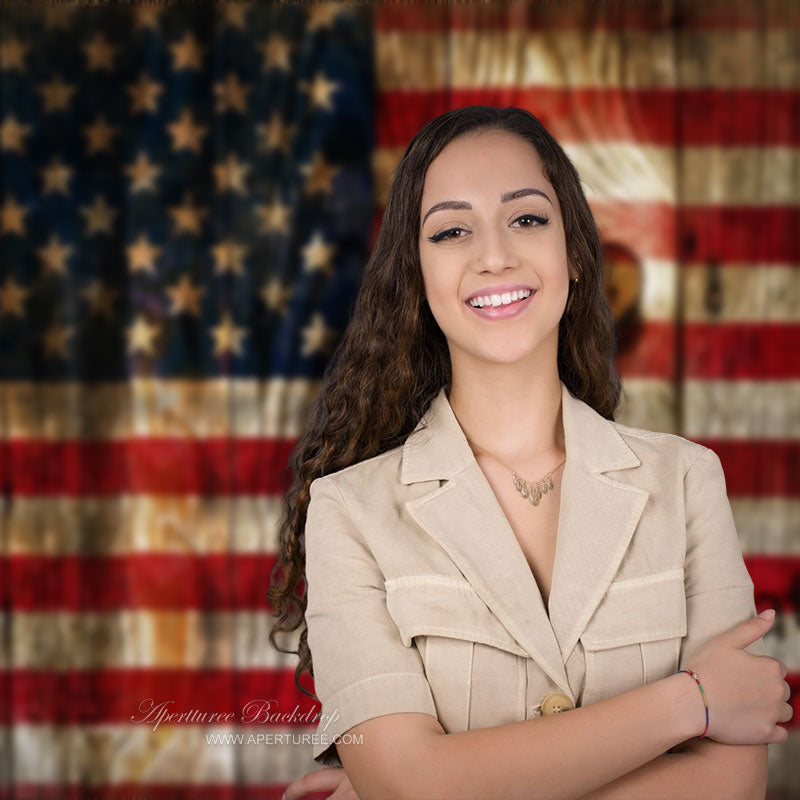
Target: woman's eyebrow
pixel 461 205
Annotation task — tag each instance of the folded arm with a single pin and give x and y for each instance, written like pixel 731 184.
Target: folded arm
pixel 700 769
pixel 719 595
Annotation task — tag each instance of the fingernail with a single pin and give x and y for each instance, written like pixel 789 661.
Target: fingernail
pixel 768 614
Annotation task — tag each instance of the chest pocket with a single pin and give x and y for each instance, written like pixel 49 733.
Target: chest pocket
pixel 475 668
pixel 634 636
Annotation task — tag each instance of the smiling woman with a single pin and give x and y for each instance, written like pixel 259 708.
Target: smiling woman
pixel 511 636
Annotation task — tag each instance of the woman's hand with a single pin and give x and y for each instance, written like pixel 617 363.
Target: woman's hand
pixel 329 779
pixel 747 694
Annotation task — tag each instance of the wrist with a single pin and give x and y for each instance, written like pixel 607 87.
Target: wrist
pixel 684 698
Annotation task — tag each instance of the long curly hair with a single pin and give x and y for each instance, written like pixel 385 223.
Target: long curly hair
pixel 393 358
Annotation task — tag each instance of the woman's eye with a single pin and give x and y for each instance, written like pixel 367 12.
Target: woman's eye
pixel 444 235
pixel 536 217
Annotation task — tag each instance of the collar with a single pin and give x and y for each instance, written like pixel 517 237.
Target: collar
pixel 440 449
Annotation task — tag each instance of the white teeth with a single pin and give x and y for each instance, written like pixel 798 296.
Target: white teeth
pixel 499 299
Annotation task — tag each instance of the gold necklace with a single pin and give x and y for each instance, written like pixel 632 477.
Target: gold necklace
pixel 530 491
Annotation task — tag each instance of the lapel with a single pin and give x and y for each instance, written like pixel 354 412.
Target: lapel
pixel 596 520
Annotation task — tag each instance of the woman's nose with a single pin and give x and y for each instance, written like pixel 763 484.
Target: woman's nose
pixel 494 251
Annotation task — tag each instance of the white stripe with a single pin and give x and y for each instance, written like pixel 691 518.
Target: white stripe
pixel 739 176
pixel 625 171
pixel 714 409
pixel 113 754
pixel 191 524
pixel 742 409
pixel 606 59
pixel 61 640
pixel 659 289
pixel 156 407
pixel 655 409
pixel 649 403
pixel 742 293
pixel 767 525
pixel 728 293
pixel 691 176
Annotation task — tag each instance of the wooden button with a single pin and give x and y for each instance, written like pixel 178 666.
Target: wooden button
pixel 556 703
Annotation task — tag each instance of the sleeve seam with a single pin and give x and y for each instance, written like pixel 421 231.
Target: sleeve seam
pixel 699 456
pixel 374 678
pixel 341 498
pixel 346 508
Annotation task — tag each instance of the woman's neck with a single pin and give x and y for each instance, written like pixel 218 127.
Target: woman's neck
pixel 516 420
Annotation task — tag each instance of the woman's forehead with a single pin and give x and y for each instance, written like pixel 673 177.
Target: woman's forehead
pixel 486 164
pixel 485 154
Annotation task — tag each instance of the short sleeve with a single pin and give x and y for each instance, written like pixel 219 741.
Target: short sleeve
pixel 362 669
pixel 719 590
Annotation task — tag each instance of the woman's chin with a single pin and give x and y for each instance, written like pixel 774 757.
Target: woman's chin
pixel 503 356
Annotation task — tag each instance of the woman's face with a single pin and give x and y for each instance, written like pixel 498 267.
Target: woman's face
pixel 500 238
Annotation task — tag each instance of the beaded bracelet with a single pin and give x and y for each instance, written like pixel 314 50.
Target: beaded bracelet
pixel 694 675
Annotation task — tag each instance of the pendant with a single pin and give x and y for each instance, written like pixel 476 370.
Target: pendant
pixel 533 492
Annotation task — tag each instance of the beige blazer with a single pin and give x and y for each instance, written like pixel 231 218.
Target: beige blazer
pixel 421 599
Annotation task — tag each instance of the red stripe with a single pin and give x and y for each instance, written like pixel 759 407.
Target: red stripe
pixel 713 234
pixel 134 696
pixel 150 791
pixel 581 15
pixel 649 351
pixel 766 468
pixel 735 233
pixel 757 351
pixel 159 581
pixel 664 117
pixel 751 350
pixel 158 466
pixel 777 584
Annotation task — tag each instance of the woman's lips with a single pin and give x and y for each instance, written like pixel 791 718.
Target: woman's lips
pixel 503 312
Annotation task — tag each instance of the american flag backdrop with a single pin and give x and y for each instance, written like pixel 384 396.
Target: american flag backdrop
pixel 188 194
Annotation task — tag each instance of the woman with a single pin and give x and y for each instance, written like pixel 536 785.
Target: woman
pixel 484 547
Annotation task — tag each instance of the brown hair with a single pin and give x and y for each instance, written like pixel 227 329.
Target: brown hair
pixel 393 358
